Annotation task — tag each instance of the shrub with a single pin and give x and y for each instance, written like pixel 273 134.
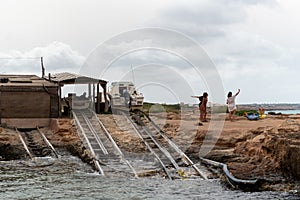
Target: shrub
pixel 241 112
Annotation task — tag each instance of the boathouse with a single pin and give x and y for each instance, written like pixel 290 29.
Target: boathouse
pixel 27 101
pixel 95 95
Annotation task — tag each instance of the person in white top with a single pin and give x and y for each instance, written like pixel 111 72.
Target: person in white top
pixel 231 104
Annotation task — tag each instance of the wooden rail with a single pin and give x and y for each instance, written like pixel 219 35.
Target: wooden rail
pixel 47 142
pixel 24 144
pixel 147 145
pixel 175 147
pixel 115 144
pixel 96 162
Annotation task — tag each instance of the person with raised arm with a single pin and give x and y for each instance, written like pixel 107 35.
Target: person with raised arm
pixel 202 107
pixel 231 104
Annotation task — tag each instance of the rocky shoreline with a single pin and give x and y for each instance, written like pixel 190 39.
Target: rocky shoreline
pixel 270 154
pixel 267 149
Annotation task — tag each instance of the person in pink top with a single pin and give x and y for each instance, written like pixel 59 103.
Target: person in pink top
pixel 231 104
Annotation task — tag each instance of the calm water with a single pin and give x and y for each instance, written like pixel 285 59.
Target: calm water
pixel 291 112
pixel 69 178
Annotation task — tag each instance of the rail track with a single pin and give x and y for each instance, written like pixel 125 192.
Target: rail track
pixel 163 156
pixel 173 160
pixel 36 143
pixel 107 156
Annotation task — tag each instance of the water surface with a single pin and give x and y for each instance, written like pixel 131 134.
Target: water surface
pixel 289 112
pixel 69 178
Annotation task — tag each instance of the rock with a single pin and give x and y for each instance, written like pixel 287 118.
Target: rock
pixel 12 152
pixel 272 151
pixel 54 125
pixel 291 162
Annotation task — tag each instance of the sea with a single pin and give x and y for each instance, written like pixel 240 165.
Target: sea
pixel 68 177
pixel 290 112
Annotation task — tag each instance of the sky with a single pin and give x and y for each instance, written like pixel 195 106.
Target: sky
pixel 170 49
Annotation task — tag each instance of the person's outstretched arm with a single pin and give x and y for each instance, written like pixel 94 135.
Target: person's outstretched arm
pixel 237 92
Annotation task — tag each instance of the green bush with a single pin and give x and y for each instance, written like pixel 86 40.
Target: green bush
pixel 156 108
pixel 241 112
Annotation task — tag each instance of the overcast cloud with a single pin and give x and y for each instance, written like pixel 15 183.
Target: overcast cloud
pixel 253 44
pixel 57 56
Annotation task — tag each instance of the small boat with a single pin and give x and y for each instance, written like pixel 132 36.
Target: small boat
pixel 252 116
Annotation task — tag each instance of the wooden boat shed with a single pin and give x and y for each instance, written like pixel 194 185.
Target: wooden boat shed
pixel 27 101
pixel 94 94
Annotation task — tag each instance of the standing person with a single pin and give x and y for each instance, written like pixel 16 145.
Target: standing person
pixel 202 107
pixel 231 104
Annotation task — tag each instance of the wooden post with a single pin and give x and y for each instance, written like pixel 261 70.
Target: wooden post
pixel 103 85
pixel 59 100
pixel 99 99
pixel 98 102
pixel 89 94
pixel 43 68
pixel 93 95
pixel 0 109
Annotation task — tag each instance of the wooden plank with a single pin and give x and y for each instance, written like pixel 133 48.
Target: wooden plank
pixel 25 104
pixel 54 106
pixel 26 122
pixel 0 108
pixel 28 89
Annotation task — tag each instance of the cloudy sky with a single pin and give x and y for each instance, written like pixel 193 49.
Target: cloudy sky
pixel 191 47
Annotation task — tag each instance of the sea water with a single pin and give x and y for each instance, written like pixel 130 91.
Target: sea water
pixel 289 112
pixel 69 178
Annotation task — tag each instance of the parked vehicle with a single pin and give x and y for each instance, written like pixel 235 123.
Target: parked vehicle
pixel 124 94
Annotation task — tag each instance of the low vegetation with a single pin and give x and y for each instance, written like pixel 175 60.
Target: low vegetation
pixel 242 112
pixel 157 108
